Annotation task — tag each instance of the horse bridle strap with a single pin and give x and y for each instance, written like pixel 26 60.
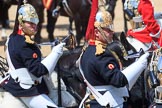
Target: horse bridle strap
pixel 103 34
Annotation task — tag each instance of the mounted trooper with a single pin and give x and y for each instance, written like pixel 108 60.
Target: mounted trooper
pixel 130 8
pixel 107 84
pixel 26 67
pixel 149 34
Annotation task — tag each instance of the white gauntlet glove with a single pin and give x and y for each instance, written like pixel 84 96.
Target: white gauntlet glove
pixel 58 48
pixel 133 71
pixel 50 61
pixel 144 60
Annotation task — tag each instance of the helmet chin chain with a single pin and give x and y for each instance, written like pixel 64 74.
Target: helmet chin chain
pixel 104 35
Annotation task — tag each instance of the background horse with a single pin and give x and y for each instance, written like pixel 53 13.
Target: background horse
pixel 80 11
pixel 4 19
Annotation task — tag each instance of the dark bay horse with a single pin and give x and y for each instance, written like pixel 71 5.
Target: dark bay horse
pixel 71 74
pixel 80 10
pixel 80 15
pixel 73 79
pixel 146 93
pixel 4 19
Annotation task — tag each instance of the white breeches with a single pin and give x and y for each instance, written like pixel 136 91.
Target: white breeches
pixel 39 101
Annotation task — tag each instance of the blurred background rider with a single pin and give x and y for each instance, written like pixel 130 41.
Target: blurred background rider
pixel 150 32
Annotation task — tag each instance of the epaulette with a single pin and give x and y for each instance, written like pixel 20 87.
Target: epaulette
pixel 100 47
pixel 28 40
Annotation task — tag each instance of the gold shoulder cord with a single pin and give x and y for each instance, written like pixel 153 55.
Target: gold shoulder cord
pixel 28 40
pixel 100 47
pixel 117 58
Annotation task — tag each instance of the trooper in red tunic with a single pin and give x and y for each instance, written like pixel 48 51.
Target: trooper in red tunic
pixel 26 67
pixel 151 31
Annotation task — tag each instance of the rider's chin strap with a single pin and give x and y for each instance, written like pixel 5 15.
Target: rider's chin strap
pixel 104 35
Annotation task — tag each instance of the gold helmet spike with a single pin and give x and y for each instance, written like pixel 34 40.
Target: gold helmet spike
pixel 27 13
pixel 102 5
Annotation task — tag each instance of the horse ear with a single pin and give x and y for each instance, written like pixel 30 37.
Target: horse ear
pixel 122 36
pixel 125 42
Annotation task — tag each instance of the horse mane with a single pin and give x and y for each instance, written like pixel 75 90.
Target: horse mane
pixel 122 47
pixel 125 43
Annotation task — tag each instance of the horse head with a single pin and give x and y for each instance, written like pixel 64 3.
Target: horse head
pixel 129 48
pixel 70 73
pixel 122 48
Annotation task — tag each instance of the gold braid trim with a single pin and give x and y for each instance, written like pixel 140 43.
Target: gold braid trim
pixel 28 39
pixel 100 47
pixel 117 58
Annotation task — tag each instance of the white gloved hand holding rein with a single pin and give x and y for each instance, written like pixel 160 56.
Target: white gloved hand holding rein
pixel 133 71
pixel 51 60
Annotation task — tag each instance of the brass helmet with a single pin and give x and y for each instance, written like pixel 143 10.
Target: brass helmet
pixel 103 19
pixel 99 18
pixel 27 13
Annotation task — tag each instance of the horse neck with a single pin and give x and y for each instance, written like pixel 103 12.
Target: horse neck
pixel 137 44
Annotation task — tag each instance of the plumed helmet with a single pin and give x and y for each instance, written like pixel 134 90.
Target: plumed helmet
pixel 99 18
pixel 103 19
pixel 27 13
